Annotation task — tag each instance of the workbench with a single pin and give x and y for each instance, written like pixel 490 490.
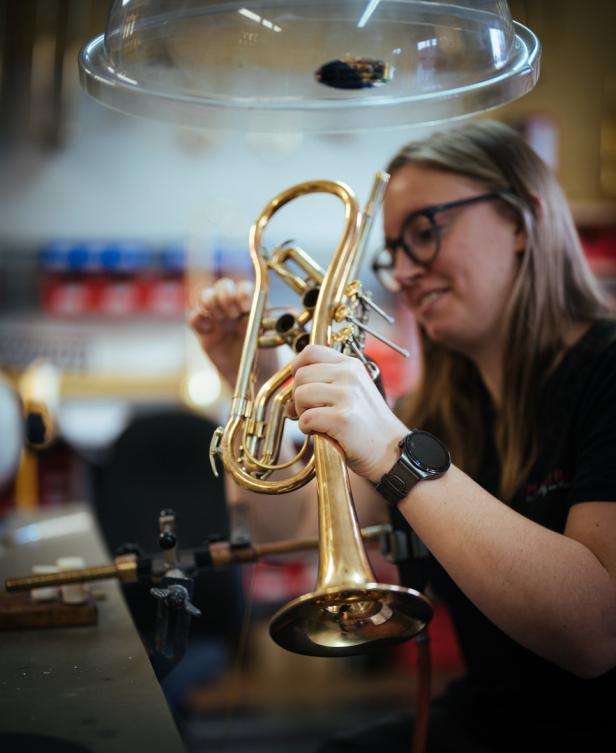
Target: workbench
pixel 85 689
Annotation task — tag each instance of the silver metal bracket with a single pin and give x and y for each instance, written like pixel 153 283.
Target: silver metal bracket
pixel 215 450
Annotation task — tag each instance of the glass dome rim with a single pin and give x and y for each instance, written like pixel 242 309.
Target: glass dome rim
pixel 93 62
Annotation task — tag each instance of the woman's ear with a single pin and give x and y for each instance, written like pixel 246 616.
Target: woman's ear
pixel 521 235
pixel 537 207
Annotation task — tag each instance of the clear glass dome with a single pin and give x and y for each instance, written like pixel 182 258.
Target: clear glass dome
pixel 309 65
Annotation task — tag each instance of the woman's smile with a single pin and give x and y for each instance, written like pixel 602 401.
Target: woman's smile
pixel 428 300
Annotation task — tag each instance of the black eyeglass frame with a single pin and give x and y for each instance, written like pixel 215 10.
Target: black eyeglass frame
pixel 392 244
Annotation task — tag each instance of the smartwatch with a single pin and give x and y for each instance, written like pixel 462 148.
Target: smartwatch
pixel 422 456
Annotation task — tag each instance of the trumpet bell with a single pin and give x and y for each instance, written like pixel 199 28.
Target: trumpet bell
pixel 335 622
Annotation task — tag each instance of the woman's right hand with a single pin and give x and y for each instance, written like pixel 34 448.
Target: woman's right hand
pixel 219 320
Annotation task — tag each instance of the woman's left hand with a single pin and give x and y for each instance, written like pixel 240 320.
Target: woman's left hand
pixel 334 395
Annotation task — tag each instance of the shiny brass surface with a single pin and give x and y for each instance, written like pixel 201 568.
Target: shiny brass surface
pixel 348 612
pixel 339 621
pixel 124 571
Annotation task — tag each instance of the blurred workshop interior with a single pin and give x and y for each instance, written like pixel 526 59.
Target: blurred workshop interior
pixel 110 225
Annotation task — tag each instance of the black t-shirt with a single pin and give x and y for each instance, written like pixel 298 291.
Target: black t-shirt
pixel 512 698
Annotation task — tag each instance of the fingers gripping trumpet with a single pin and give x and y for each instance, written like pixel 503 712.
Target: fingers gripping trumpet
pixel 348 612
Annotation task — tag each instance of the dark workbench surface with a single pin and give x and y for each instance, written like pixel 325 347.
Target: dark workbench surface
pixel 91 687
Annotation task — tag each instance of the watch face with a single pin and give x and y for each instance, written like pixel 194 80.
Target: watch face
pixel 427 451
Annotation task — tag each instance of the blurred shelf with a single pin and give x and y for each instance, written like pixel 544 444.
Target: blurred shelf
pixel 308 688
pixel 99 355
pixel 598 213
pixel 76 386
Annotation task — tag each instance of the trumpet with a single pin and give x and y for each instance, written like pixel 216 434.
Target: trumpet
pixel 348 612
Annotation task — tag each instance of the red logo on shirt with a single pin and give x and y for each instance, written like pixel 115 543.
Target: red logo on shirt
pixel 553 481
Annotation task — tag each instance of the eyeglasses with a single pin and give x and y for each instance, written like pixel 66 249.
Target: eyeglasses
pixel 419 239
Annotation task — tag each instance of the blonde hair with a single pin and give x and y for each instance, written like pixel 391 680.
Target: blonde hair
pixel 554 286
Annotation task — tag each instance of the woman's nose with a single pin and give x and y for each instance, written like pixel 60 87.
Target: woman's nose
pixel 406 269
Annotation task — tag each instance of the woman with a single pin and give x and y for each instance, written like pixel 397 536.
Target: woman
pixel 519 382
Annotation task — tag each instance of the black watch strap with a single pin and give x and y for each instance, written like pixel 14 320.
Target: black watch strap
pixel 422 456
pixel 396 484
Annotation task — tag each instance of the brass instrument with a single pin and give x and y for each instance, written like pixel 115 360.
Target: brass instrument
pixel 348 612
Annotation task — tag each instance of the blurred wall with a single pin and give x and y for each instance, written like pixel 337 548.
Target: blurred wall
pixel 576 90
